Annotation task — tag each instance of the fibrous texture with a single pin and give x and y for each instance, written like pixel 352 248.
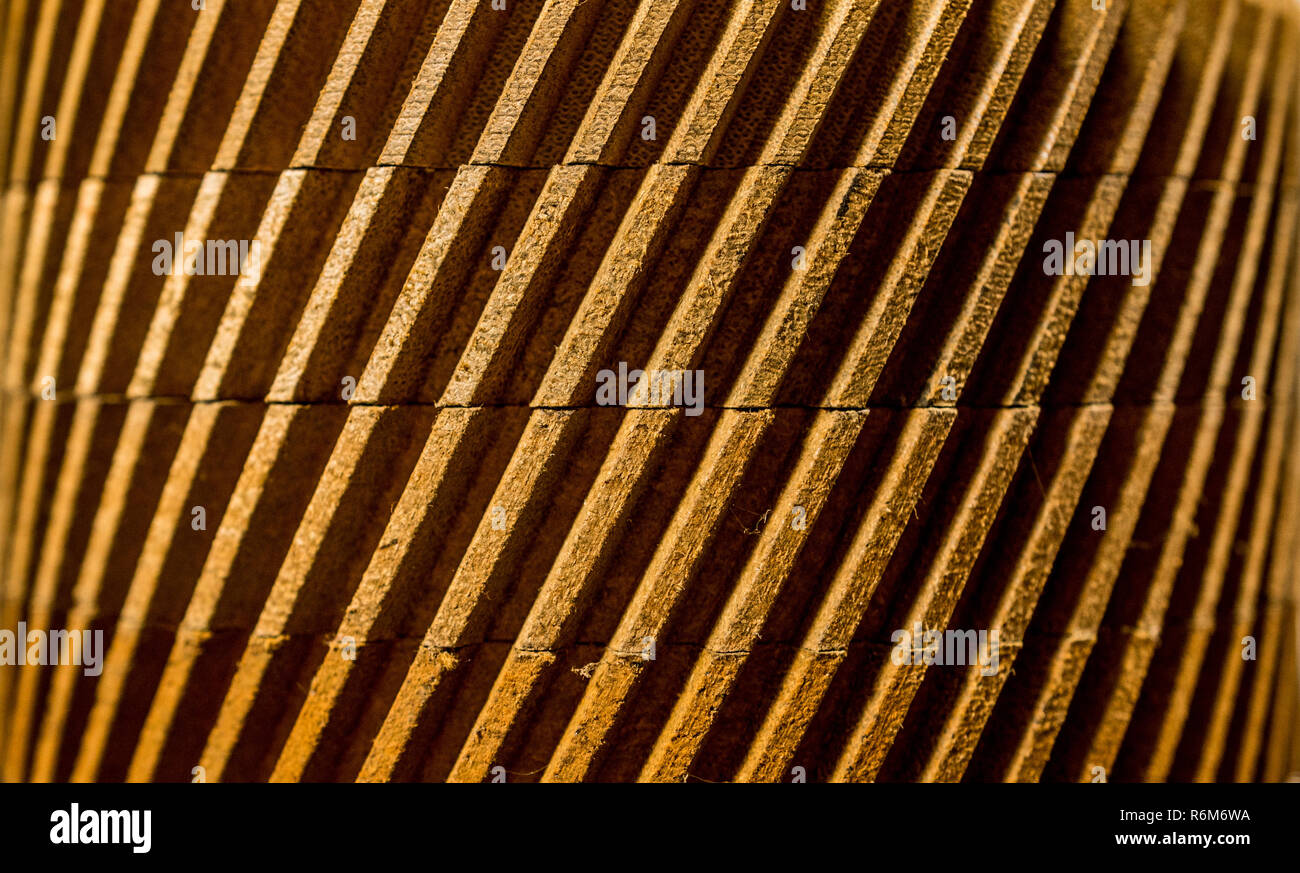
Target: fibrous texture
pixel 973 324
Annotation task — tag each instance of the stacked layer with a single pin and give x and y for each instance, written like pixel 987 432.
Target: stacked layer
pixel 363 512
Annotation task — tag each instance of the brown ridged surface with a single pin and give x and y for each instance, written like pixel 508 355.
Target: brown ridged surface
pixel 430 553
